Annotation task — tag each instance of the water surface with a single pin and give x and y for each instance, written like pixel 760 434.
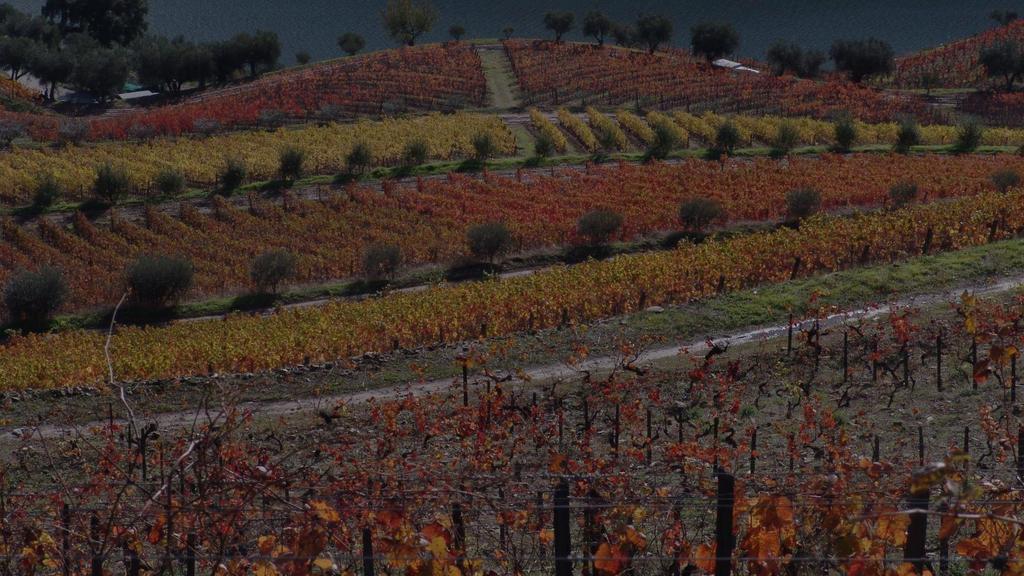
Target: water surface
pixel 314 25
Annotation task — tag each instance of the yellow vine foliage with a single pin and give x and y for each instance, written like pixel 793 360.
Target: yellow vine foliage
pixel 579 129
pixel 451 313
pixel 546 128
pixel 659 120
pixel 636 125
pixel 606 126
pixel 201 159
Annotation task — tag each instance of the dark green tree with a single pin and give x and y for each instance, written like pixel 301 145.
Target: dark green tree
pixel 170 182
pixel 97 70
pixel 167 64
pixel 598 26
pixel 260 50
pixel 110 22
pixel 359 158
pixel 1003 17
pixel 653 31
pixel 909 134
pixel 157 282
pixel 845 133
pixel 902 194
pixel 489 240
pixel 862 58
pixel 415 153
pixel 272 269
pixel 15 24
pixel 1005 60
pixel 407 20
pixel 1005 180
pixel 31 298
pixel 713 40
pixel 623 34
pixel 228 58
pixel 381 261
pixel 351 43
pixel 290 163
pixel 727 138
pixel 560 23
pixel 968 137
pixel 111 184
pixel 802 203
pixel 699 213
pixel 17 55
pixel 598 226
pixel 47 191
pixel 233 174
pixel 52 67
pixel 784 57
pixel 787 57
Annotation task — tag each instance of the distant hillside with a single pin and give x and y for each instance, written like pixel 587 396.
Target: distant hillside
pixel 953 65
pixel 567 73
pixel 422 78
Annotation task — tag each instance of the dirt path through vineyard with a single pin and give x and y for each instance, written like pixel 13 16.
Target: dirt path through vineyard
pixel 548 372
pixel 502 89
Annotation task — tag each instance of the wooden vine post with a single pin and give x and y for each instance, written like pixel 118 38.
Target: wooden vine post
pixel 97 554
pixel 460 534
pixel 724 538
pixel 914 551
pixel 1020 454
pixel 367 552
pixel 65 540
pixel 563 539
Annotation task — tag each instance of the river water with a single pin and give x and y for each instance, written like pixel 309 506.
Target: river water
pixel 314 25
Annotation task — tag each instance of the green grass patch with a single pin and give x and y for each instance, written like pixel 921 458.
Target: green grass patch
pixel 845 289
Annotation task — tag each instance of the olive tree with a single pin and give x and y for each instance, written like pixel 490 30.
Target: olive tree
pixel 597 25
pixel 1004 60
pixel 158 282
pixel 560 23
pixel 351 43
pixel 489 240
pixel 802 203
pixel 31 297
pixel 381 261
pixel 407 20
pixel 712 40
pixel 598 226
pixel 698 213
pixel 653 31
pixel 271 269
pixel 862 58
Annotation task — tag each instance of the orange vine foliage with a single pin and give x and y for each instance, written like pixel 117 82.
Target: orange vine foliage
pixel 953 65
pixel 386 82
pixel 675 79
pixel 547 299
pixel 428 220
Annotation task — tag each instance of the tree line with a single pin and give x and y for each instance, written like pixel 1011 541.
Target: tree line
pixel 96 45
pixel 859 59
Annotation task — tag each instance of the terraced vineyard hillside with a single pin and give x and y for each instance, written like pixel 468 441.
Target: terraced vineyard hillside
pixel 507 307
